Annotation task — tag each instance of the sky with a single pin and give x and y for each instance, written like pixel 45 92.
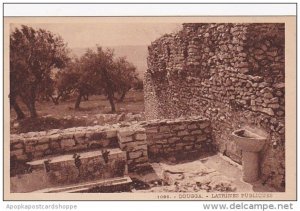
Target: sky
pixel 83 35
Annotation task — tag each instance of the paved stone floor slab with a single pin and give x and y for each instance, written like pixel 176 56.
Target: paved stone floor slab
pixel 211 174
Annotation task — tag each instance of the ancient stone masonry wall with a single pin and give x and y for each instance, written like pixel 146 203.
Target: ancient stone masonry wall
pixel 179 139
pixel 158 138
pixel 133 140
pixel 34 145
pixel 232 74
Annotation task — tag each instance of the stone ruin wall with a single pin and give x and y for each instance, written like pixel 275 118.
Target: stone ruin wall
pixel 179 139
pixel 138 140
pixel 232 74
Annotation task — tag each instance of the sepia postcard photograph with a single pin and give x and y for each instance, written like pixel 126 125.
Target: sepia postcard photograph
pixel 150 108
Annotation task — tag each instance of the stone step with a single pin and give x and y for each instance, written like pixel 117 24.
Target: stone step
pixel 37 145
pixel 119 184
pixel 79 167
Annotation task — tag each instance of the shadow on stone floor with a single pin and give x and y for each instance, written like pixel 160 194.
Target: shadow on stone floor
pixel 214 173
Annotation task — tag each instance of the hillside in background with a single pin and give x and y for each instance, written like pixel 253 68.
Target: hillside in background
pixel 136 54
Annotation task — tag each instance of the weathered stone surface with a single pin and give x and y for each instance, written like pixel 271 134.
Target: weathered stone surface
pixel 204 125
pixel 135 154
pixel 164 129
pixel 232 74
pixel 196 132
pixel 201 138
pixel 183 133
pixel 140 136
pixel 41 147
pixel 125 139
pixel 17 152
pixel 173 139
pixel 123 132
pixel 67 143
pixel 181 138
pixel 111 133
pixel 192 126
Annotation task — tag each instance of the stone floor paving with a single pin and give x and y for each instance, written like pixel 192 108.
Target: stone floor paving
pixel 211 174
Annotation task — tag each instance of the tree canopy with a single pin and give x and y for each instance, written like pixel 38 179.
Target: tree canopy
pixel 33 54
pixel 36 53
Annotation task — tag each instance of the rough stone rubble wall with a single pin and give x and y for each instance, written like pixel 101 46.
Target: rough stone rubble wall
pixel 232 74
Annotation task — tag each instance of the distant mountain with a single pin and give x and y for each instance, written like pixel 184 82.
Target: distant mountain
pixel 136 54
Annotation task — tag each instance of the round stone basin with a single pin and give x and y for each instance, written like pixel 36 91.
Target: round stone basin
pixel 251 144
pixel 248 141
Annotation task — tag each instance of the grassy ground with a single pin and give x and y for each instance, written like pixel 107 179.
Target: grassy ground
pixel 94 111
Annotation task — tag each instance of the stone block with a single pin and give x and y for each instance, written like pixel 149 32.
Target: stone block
pixel 179 127
pixel 183 133
pixel 22 157
pixel 188 147
pixel 125 133
pixel 204 124
pixel 38 154
pixel 179 146
pixel 97 136
pixel 30 141
pixel 41 147
pixel 154 149
pixel 17 152
pixel 201 138
pixel 125 139
pixel 268 111
pixel 29 148
pixel 111 133
pixel 138 147
pixel 151 129
pixel 140 136
pixel 188 138
pixel 67 135
pixel 136 154
pixel 17 145
pixel 173 140
pixel 143 159
pixel 54 137
pixel 207 130
pixel 80 134
pixel 198 146
pixel 169 150
pixel 192 126
pixel 196 132
pixel 45 139
pixel 67 143
pixel 164 129
pixel 105 142
pixel 274 105
pixel 16 139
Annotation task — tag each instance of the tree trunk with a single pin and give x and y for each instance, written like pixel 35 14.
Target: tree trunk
pixel 109 89
pixel 111 101
pixel 30 104
pixel 78 101
pixel 14 104
pixel 122 96
pixel 32 109
pixel 55 100
pixel 86 97
pixel 33 113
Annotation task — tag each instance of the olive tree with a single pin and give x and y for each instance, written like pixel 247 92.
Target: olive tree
pixel 125 76
pixel 33 54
